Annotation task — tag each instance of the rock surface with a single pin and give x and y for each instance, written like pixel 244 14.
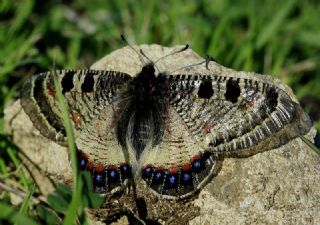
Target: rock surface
pixel 280 186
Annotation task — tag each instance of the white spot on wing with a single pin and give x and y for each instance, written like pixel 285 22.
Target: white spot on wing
pixel 275 119
pixel 284 111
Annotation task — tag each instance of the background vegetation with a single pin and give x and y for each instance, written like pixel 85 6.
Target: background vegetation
pixel 281 38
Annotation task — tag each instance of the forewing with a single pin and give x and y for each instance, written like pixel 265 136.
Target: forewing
pixel 178 166
pixel 229 114
pixel 86 93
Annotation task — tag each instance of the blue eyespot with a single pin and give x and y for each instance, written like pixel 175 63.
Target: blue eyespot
pixel 172 180
pixel 83 163
pixel 124 168
pixel 197 165
pixel 125 171
pixel 186 178
pixel 147 172
pixel 158 175
pixel 99 179
pixel 112 175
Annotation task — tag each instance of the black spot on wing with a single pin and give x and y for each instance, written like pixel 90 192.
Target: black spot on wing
pixel 67 82
pixel 205 89
pixel 272 98
pixel 88 83
pixel 233 90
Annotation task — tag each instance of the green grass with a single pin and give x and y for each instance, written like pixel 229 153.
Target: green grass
pixel 281 38
pixel 71 214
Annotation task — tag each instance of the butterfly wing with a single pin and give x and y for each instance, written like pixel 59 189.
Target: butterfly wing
pixel 100 153
pixel 86 93
pixel 178 166
pixel 208 115
pixel 229 114
pixel 91 97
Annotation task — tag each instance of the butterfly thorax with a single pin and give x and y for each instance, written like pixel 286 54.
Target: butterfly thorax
pixel 141 122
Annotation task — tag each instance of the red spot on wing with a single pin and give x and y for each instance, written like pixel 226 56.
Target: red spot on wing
pixel 99 168
pixel 186 167
pixel 160 168
pixel 208 125
pixel 50 86
pixel 90 165
pixel 75 116
pixel 173 169
pixel 195 157
pixel 249 104
pixel 112 167
pixel 148 165
pixel 252 99
pixel 51 90
pixel 83 155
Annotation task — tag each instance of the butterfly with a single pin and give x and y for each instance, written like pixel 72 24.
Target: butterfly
pixel 167 128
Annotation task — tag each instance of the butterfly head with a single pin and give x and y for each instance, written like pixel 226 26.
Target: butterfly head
pixel 148 70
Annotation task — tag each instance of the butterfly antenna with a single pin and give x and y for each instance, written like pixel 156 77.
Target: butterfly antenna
pixel 208 59
pixel 140 53
pixel 189 66
pixel 173 53
pixel 135 50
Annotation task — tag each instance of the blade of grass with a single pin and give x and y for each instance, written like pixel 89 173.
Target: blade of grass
pixel 9 214
pixel 23 10
pixel 24 207
pixel 48 215
pixel 3 168
pixel 71 214
pixel 275 24
pixel 310 144
pixel 16 163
